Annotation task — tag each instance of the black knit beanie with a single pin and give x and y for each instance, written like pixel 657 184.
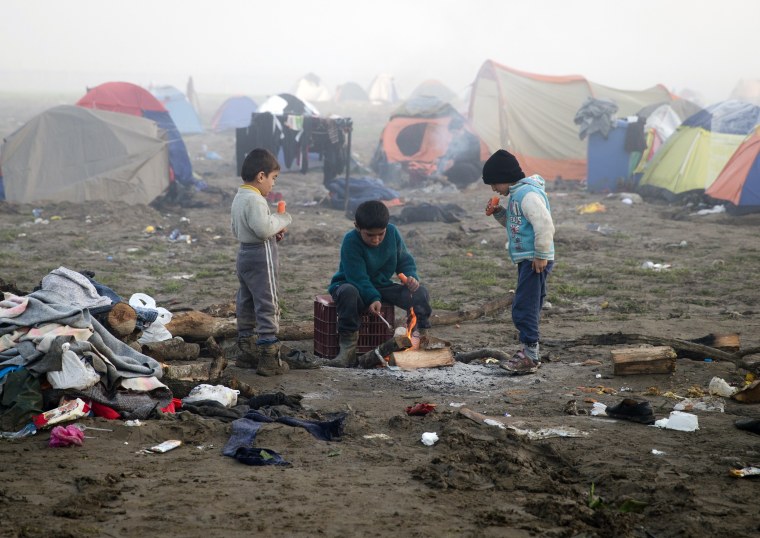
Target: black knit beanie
pixel 502 167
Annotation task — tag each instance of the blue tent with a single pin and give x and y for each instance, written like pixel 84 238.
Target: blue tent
pixel 234 113
pixel 180 109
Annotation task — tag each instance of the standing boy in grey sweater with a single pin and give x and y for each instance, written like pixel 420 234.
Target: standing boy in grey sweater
pixel 258 231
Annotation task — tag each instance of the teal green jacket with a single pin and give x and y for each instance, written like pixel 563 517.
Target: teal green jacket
pixel 369 268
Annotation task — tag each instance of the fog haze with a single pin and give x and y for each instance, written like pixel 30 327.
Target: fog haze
pixel 259 48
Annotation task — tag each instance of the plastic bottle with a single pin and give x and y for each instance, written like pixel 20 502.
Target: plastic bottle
pixel 174 234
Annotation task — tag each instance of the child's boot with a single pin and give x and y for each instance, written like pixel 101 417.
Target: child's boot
pixel 270 362
pixel 346 357
pixel 248 357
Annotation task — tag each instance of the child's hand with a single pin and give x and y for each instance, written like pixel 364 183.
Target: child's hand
pixel 493 205
pixel 376 308
pixel 412 283
pixel 280 235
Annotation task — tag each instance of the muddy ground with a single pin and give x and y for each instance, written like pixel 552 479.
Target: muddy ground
pixel 617 478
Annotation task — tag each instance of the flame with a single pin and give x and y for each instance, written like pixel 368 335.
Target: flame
pixel 411 327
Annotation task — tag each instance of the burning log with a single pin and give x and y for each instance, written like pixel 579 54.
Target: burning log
pixel 411 359
pixel 376 357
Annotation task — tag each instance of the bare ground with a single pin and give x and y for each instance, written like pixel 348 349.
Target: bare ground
pixel 477 480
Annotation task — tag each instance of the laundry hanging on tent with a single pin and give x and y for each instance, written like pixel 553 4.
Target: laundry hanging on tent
pixel 294 137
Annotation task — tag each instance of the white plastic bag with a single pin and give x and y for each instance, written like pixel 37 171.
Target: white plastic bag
pixel 156 331
pixel 75 372
pixel 219 393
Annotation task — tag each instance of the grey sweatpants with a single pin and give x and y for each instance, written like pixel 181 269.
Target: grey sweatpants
pixel 256 304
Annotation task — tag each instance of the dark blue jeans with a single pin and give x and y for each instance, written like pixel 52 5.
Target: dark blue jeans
pixel 529 299
pixel 350 306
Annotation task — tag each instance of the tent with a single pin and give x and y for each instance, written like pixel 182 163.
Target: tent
pixel 533 115
pixel 182 112
pixel 434 88
pixel 417 135
pixel 382 90
pixel 234 112
pixel 131 99
pixel 73 154
pixel 691 159
pixel 310 88
pixel 660 121
pixel 350 91
pixel 286 103
pixel 739 181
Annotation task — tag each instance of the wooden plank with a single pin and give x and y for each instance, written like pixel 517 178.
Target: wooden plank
pixel 644 360
pixel 412 359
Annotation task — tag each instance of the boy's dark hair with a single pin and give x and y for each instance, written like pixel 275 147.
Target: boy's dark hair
pixel 258 160
pixel 371 214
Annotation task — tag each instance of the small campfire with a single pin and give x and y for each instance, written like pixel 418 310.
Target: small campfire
pixel 407 351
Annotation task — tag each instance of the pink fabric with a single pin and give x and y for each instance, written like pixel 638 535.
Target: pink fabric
pixel 66 436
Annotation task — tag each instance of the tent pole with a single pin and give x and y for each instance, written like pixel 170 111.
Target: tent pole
pixel 349 128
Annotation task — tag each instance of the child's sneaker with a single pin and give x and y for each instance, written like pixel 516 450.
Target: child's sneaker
pixel 520 364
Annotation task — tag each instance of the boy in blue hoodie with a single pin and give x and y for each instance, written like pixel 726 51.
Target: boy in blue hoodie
pixel 530 232
pixel 370 255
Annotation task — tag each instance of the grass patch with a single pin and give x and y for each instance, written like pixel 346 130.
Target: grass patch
pixel 173 286
pixel 439 304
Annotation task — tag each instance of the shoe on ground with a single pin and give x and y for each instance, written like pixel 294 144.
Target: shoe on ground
pixel 632 410
pixel 298 359
pixel 520 364
pixel 748 424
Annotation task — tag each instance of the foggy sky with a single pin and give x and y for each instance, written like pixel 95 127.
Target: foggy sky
pixel 258 47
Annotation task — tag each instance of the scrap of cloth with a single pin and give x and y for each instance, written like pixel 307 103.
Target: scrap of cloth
pixel 244 430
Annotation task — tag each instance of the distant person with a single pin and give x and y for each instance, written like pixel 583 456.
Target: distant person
pixel 530 232
pixel 461 163
pixel 370 255
pixel 258 231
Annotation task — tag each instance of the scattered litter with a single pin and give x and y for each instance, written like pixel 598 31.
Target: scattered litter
pixel 133 423
pixel 149 230
pixel 658 452
pixel 598 408
pixel 594 207
pixel 492 422
pixel 657 267
pixel 383 436
pixel 420 409
pixel 457 404
pixel 700 404
pixel 598 376
pixel 70 410
pixel 746 471
pixel 685 422
pixel 603 229
pixel 712 210
pixel 719 387
pixel 429 438
pixel 63 436
pixel 546 433
pixel 682 244
pixel 166 446
pixel 219 393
